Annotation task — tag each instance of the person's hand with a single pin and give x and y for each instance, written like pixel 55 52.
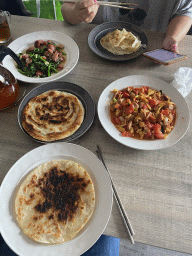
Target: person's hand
pixel 85 11
pixel 170 44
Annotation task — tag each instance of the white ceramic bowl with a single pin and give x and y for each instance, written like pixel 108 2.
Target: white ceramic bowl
pixel 24 42
pixel 182 120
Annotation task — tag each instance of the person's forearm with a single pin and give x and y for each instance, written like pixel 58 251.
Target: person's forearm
pixel 67 10
pixel 178 27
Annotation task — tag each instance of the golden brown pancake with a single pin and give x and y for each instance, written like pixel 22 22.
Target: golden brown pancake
pixel 52 116
pixel 54 202
pixel 120 42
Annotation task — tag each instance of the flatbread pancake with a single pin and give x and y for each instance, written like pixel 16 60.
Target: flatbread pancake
pixel 54 202
pixel 53 115
pixel 120 42
pixel 116 37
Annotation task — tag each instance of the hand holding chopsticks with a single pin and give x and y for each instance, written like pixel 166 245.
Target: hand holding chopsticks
pixel 119 203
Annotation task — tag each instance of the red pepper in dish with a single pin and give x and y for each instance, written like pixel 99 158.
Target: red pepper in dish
pixel 142 113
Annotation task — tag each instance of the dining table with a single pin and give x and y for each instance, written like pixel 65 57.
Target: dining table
pixel 155 186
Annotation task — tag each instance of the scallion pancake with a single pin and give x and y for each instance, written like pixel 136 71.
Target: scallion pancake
pixel 54 202
pixel 120 42
pixel 53 115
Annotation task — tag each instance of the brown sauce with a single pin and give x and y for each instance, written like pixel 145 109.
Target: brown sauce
pixel 8 94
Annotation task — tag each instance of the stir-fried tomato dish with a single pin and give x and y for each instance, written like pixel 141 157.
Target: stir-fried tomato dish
pixel 142 113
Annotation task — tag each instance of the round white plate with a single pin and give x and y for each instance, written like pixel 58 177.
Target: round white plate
pixel 12 234
pixel 24 42
pixel 182 120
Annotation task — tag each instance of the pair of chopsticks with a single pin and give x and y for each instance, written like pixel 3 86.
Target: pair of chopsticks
pixel 128 6
pixel 119 203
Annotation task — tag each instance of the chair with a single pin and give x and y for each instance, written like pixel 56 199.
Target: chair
pixel 48 9
pixel 14 7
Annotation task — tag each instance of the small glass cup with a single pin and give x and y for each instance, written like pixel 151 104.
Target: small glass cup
pixel 9 88
pixel 5 33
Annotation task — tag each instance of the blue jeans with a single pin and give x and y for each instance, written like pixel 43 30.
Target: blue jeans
pixel 105 246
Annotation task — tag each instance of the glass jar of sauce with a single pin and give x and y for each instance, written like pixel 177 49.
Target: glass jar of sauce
pixel 9 88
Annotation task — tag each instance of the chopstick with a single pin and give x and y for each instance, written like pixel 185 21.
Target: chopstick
pixel 128 6
pixel 119 203
pixel 117 6
pixel 117 3
pixel 112 4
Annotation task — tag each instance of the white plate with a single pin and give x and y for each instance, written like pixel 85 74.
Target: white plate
pixel 12 234
pixel 24 42
pixel 182 120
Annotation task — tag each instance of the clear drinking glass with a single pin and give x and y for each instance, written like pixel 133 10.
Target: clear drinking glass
pixel 5 33
pixel 9 88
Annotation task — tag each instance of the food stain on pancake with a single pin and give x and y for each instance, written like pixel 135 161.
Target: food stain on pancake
pixel 54 202
pixel 120 42
pixel 53 115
